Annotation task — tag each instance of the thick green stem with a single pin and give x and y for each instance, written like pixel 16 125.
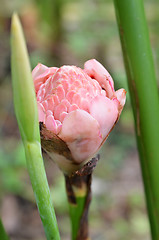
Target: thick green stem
pixel 79 197
pixel 3 234
pixel 78 188
pixel 27 117
pixel 76 211
pixel 144 96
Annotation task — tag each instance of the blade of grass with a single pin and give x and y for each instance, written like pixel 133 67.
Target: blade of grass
pixel 3 234
pixel 27 117
pixel 144 97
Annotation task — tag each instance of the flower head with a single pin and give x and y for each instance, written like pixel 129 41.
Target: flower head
pixel 78 109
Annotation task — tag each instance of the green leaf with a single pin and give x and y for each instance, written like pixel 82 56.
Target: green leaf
pixel 23 89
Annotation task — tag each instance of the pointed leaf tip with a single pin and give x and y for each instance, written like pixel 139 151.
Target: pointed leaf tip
pixel 15 23
pixel 23 87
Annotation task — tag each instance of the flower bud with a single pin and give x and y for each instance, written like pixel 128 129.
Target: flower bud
pixel 77 110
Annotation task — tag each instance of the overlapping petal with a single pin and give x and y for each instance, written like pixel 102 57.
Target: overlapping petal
pixel 105 111
pixel 96 70
pixel 82 134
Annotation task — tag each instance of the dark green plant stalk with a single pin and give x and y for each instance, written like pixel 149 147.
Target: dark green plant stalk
pixel 144 97
pixel 27 117
pixel 3 234
pixel 76 211
pixel 78 188
pixel 79 196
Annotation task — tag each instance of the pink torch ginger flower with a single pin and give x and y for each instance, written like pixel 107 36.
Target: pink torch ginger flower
pixel 78 109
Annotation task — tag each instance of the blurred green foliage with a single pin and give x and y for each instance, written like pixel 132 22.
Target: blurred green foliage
pixel 12 167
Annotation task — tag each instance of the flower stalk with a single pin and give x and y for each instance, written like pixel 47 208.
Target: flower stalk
pixel 78 188
pixel 144 97
pixel 3 234
pixel 27 117
pixel 79 197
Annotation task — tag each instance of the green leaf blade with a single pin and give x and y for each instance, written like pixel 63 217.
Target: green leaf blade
pixel 23 87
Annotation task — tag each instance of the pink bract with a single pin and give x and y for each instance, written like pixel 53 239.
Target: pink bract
pixel 79 105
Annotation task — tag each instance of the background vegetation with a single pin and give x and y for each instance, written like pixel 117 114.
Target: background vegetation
pixel 71 32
